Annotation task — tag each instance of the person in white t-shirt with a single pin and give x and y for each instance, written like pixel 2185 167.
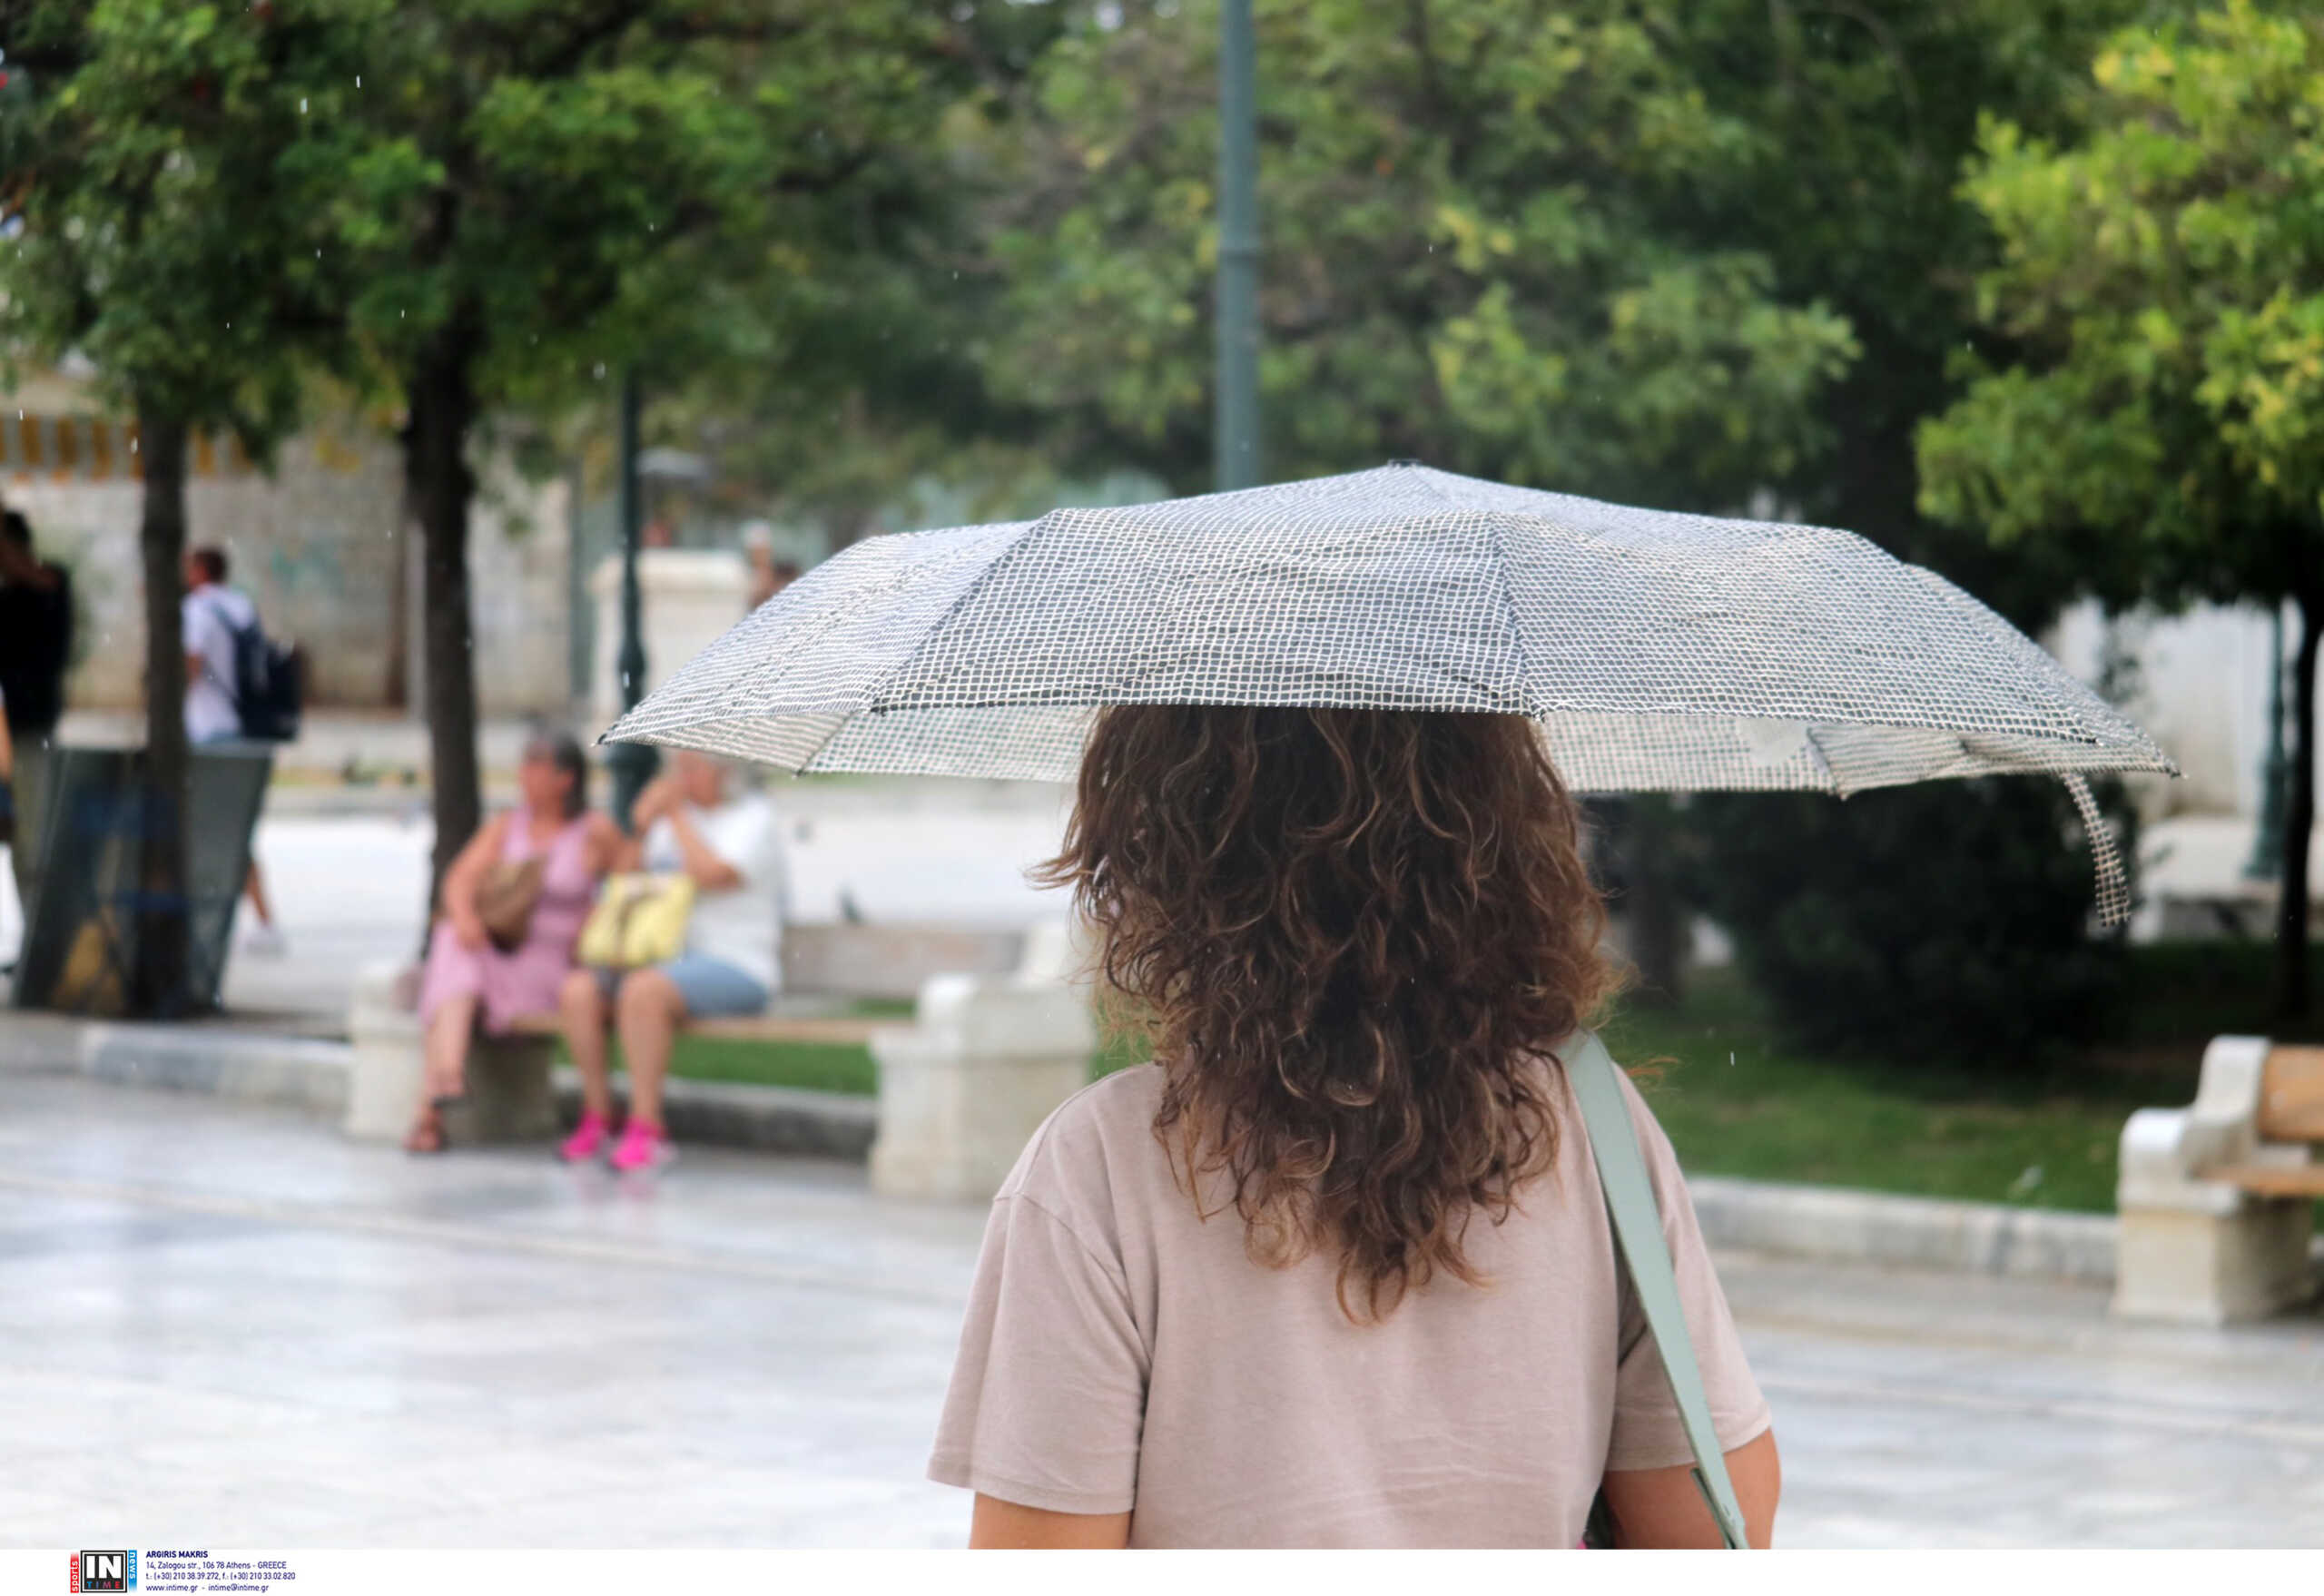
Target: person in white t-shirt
pixel 210 615
pixel 691 819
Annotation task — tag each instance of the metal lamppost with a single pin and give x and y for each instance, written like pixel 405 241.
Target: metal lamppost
pixel 1235 413
pixel 633 764
pixel 2267 861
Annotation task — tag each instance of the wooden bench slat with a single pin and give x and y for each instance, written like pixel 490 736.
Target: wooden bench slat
pixel 803 1029
pixel 845 1030
pixel 2306 1181
pixel 2292 1094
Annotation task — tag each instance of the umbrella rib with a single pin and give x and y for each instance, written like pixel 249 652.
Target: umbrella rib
pixel 678 737
pixel 1822 759
pixel 1497 525
pixel 937 626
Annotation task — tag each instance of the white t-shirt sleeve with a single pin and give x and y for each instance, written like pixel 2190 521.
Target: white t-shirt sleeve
pixel 659 855
pixel 747 840
pixel 204 632
pixel 1048 1403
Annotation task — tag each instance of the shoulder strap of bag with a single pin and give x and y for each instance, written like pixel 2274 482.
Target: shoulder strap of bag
pixel 232 685
pixel 1638 1226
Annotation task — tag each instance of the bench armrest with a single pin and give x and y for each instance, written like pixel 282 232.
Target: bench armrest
pixel 2167 1154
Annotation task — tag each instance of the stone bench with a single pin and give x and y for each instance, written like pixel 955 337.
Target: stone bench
pixel 964 1087
pixel 2216 1200
pixel 511 1093
pixel 989 1053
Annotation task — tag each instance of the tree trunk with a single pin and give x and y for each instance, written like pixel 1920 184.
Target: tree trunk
pixel 2299 818
pixel 158 980
pixel 1657 908
pixel 396 682
pixel 443 407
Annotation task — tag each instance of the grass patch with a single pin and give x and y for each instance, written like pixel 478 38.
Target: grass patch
pixel 821 1067
pixel 1735 1101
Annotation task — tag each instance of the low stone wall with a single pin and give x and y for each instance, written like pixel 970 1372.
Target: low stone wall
pixel 890 959
pixel 1827 1223
pixel 1930 1233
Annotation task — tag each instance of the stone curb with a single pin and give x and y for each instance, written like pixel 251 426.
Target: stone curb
pixel 250 1067
pixel 762 1118
pixel 1928 1233
pixel 310 1076
pixel 1804 1221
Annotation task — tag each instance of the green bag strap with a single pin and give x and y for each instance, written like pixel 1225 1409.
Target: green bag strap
pixel 1638 1226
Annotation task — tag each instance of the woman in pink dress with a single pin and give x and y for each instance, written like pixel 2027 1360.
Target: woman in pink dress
pixel 468 979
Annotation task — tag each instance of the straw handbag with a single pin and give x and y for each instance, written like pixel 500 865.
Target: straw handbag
pixel 639 920
pixel 505 899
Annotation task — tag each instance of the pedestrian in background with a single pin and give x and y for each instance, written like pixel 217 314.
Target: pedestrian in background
pixel 552 851
pixel 1334 1269
pixel 768 574
pixel 35 651
pixel 212 616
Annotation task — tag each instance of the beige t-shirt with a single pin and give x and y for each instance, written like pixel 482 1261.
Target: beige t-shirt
pixel 1121 1353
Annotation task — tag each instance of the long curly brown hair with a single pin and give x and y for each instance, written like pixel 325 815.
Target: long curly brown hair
pixel 1351 935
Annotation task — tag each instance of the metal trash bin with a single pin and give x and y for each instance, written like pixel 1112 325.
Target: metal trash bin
pixel 80 933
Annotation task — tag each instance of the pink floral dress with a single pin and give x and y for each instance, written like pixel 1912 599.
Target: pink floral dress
pixel 525 980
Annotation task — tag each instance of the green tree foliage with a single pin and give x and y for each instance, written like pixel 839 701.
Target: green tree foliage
pixel 553 190
pixel 168 167
pixel 2160 288
pixel 167 171
pixel 1859 119
pixel 1925 961
pixel 1471 252
pixel 1859 116
pixel 829 402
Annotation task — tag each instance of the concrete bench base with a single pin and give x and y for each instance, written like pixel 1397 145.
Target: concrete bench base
pixel 2186 1267
pixel 964 1089
pixel 2203 1236
pixel 510 1096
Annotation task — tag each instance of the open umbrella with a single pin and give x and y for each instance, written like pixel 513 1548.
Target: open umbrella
pixel 1660 652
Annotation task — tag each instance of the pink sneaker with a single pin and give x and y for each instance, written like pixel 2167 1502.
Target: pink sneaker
pixel 643 1146
pixel 587 1140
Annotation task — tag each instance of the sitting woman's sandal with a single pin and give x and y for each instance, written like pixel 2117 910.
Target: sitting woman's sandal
pixel 427 1135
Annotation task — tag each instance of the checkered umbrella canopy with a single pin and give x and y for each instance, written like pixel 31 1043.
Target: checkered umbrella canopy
pixel 1660 652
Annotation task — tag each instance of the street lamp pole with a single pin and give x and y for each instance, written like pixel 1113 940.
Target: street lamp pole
pixel 632 764
pixel 2267 861
pixel 1236 414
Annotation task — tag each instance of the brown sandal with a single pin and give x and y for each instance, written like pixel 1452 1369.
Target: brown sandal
pixel 427 1135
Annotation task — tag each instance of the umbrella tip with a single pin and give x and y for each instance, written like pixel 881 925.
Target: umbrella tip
pixel 1405 462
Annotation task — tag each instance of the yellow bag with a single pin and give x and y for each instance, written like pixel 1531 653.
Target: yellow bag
pixel 639 920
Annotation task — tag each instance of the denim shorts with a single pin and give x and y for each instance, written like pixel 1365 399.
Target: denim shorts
pixel 711 988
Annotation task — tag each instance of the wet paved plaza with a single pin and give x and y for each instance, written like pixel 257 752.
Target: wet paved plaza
pixel 223 1325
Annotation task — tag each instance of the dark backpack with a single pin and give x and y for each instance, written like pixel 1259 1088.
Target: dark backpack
pixel 270 685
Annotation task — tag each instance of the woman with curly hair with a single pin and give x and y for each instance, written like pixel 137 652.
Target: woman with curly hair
pixel 1334 1270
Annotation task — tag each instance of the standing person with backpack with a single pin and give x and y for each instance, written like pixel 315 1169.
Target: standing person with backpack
pixel 222 642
